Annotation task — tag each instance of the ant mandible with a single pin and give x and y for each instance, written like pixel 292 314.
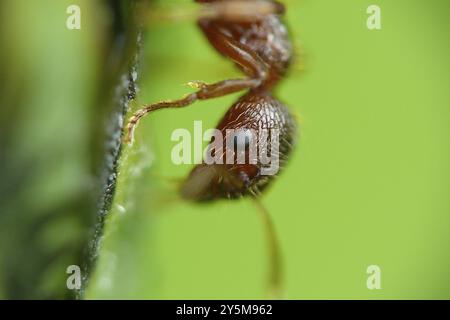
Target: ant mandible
pixel 252 35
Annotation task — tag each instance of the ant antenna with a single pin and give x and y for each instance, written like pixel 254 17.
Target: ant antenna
pixel 274 254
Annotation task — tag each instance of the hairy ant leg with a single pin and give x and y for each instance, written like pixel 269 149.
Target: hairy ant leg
pixel 207 91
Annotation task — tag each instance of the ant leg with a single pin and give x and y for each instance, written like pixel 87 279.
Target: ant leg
pixel 207 91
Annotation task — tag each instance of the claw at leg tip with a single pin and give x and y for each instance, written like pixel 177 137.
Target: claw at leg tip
pixel 128 139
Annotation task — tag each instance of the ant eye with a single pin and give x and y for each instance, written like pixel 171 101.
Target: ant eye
pixel 242 139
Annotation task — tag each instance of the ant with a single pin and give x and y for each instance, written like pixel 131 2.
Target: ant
pixel 251 34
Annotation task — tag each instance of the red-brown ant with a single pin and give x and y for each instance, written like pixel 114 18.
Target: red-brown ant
pixel 252 35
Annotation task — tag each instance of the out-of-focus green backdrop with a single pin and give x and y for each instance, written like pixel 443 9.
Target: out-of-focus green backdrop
pixel 368 184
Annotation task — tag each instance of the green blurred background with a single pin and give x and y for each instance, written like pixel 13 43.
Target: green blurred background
pixel 368 183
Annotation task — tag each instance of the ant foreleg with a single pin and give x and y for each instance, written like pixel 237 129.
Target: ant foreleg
pixel 207 91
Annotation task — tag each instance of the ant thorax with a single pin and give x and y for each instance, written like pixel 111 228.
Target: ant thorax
pixel 267 39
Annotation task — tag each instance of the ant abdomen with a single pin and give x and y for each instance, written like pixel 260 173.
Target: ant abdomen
pixel 258 135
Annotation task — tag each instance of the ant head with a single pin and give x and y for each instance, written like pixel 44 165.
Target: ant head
pixel 255 138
